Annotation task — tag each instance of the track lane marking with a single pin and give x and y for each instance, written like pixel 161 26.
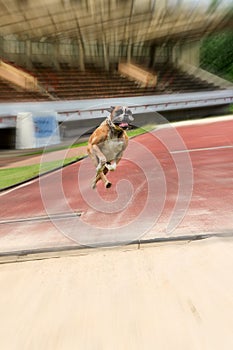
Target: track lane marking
pixel 202 149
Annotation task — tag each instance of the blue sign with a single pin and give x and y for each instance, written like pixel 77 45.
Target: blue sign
pixel 44 126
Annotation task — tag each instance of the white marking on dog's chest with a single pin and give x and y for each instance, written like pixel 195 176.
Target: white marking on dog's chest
pixel 112 147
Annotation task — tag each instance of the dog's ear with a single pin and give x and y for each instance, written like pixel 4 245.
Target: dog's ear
pixel 110 109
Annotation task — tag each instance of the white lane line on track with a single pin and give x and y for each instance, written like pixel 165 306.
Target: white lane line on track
pixel 201 149
pixel 193 122
pixel 201 121
pixel 19 186
pixel 42 218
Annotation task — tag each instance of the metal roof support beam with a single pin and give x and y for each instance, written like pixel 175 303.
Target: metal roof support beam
pixel 56 54
pixel 106 55
pixel 129 51
pixel 81 56
pixel 28 48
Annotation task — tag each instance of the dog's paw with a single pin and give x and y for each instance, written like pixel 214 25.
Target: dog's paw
pixel 111 167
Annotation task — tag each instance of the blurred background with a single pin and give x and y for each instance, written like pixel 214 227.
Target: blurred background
pixel 72 50
pixel 76 33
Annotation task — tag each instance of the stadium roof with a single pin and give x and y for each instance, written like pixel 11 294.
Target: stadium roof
pixel 112 21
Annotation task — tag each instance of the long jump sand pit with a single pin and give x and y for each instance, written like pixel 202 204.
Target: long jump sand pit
pixel 165 296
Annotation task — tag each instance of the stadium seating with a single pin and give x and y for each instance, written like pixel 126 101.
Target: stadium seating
pixel 71 83
pixel 13 93
pixel 173 80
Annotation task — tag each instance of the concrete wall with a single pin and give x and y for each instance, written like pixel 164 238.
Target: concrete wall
pixel 80 129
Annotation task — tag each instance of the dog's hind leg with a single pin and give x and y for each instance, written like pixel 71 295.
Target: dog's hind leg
pixel 102 177
pixel 99 160
pixel 95 180
pixel 107 184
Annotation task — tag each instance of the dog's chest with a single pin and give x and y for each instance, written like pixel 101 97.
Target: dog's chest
pixel 112 147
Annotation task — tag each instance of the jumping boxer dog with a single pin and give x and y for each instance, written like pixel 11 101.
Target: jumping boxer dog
pixel 108 142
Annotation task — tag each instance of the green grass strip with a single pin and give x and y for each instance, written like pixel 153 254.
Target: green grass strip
pixel 13 176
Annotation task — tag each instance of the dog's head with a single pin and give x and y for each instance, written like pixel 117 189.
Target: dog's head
pixel 121 116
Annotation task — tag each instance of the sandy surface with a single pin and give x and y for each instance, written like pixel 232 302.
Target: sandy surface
pixel 177 296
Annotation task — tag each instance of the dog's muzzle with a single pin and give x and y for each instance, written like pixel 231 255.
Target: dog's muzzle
pixel 122 117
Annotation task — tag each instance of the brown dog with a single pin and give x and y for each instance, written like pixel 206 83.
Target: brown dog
pixel 108 142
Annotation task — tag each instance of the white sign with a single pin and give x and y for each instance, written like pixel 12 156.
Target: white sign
pixel 35 130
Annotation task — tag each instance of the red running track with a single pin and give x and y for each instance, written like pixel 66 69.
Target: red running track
pixel 175 181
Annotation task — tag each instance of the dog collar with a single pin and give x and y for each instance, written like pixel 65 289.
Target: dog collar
pixel 110 123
